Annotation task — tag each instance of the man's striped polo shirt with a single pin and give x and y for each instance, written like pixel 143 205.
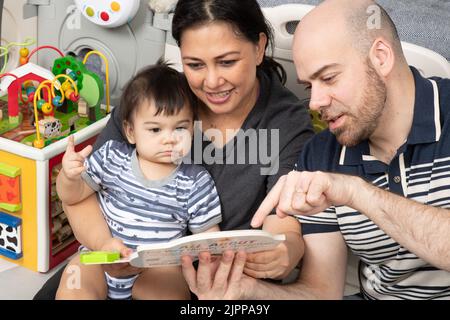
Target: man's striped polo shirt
pixel 420 171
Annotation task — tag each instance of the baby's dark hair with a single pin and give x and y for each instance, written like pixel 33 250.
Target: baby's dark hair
pixel 167 88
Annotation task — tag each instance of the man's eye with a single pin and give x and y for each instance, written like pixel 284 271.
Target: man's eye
pixel 328 79
pixel 155 130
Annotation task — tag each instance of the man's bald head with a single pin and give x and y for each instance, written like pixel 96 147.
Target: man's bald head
pixel 358 22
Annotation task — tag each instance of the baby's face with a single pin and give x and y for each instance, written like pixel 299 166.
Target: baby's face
pixel 161 138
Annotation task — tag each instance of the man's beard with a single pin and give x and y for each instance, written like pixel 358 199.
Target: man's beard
pixel 361 126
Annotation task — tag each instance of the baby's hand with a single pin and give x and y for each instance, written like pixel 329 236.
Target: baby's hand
pixel 119 269
pixel 72 161
pixel 115 244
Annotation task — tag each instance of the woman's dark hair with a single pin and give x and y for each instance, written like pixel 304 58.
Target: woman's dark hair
pixel 245 16
pixel 161 84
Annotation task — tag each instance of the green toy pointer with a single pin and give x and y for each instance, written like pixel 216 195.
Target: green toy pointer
pixel 99 257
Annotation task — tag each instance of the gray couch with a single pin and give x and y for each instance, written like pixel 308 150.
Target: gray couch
pixel 422 22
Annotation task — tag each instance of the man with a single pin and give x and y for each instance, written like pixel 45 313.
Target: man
pixel 388 146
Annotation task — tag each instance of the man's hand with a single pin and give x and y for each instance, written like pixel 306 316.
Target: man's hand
pixel 306 193
pixel 72 161
pixel 119 269
pixel 217 279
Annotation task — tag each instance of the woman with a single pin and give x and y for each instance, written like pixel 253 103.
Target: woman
pixel 245 115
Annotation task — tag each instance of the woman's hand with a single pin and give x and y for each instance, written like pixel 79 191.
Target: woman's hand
pixel 119 269
pixel 273 264
pixel 279 262
pixel 218 279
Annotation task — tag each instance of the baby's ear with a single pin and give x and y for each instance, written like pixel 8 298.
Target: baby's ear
pixel 129 132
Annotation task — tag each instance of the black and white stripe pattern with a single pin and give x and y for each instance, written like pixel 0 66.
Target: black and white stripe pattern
pixel 140 211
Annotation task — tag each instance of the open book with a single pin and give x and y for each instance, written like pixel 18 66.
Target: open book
pixel 169 253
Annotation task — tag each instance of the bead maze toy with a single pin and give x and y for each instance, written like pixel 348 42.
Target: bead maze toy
pixel 39 109
pixel 31 147
pixel 128 46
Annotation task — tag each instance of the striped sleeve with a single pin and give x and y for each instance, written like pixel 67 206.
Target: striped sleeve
pixel 95 164
pixel 325 221
pixel 203 204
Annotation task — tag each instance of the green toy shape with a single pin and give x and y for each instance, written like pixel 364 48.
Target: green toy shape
pixel 89 84
pixel 99 257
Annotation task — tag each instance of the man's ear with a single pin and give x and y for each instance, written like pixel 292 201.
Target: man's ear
pixel 382 56
pixel 129 132
pixel 261 48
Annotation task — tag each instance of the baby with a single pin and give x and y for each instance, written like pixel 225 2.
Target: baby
pixel 146 193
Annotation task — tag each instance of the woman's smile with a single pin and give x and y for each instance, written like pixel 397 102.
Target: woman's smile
pixel 219 97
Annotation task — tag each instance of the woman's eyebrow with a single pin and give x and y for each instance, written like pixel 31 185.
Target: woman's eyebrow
pixel 218 57
pixel 302 82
